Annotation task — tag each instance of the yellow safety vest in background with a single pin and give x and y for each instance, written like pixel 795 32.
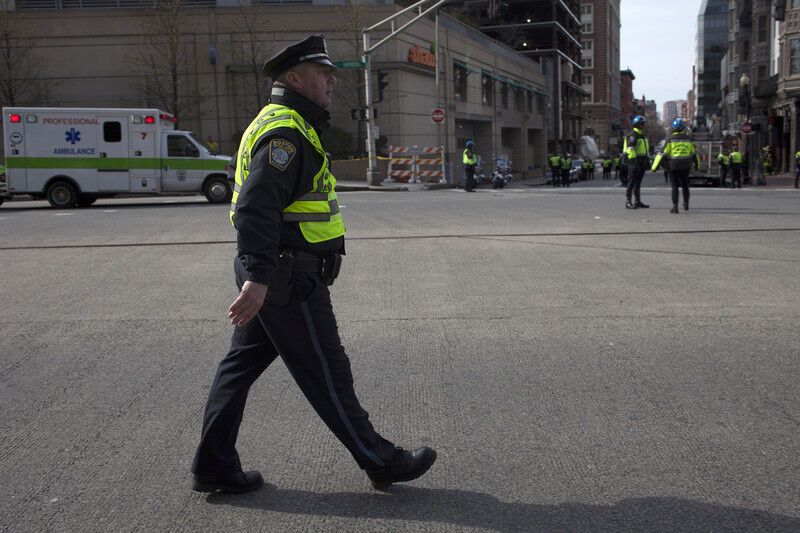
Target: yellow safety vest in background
pixel 317 212
pixel 470 160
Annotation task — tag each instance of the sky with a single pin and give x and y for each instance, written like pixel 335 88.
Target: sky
pixel 658 44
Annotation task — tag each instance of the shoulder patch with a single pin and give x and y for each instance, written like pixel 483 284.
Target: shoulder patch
pixel 281 153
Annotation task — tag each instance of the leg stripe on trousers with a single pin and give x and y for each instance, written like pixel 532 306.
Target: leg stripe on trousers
pixel 332 390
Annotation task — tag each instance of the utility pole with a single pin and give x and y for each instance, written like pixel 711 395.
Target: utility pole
pixel 369 49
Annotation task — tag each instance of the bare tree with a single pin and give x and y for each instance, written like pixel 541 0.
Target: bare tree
pixel 20 68
pixel 161 61
pixel 249 52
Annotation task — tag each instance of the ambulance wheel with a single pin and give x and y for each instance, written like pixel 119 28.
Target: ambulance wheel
pixel 85 200
pixel 217 190
pixel 62 195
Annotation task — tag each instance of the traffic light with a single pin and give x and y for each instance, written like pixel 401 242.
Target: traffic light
pixel 381 84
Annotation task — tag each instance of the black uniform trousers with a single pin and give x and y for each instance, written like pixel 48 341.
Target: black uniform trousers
pixel 304 333
pixel 680 179
pixel 555 173
pixel 635 175
pixel 623 175
pixel 723 175
pixel 469 177
pixel 736 175
pixel 565 177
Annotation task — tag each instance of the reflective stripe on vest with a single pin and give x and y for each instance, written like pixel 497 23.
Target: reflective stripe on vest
pixel 317 212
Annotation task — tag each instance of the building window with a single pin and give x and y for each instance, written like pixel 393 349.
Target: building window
pixel 587 63
pixel 587 82
pixel 586 9
pixel 460 82
pixel 587 45
pixel 745 56
pixel 763 29
pixel 487 89
pixel 586 27
pixel 504 95
pixel 794 56
pixel 112 132
pixel 518 101
pixel 795 4
pixel 762 73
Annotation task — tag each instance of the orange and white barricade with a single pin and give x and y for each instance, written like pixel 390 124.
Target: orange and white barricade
pixel 431 157
pixel 401 164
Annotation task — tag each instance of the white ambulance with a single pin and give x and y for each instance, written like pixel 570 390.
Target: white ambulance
pixel 74 156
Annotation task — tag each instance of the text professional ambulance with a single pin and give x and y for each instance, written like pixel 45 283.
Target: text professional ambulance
pixel 73 156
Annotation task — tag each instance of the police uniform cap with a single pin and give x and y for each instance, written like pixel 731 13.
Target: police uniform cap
pixel 312 49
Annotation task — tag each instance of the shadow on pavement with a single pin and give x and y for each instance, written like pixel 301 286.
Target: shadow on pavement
pixel 479 510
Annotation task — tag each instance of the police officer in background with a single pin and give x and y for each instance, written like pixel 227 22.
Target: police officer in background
pixel 290 241
pixel 566 167
pixel 797 169
pixel 679 154
pixel 724 163
pixel 555 168
pixel 636 151
pixel 470 161
pixel 736 169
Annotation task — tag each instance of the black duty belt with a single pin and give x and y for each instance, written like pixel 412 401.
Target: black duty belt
pixel 326 265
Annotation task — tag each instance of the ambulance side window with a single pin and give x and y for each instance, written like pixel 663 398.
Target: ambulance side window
pixel 180 146
pixel 112 132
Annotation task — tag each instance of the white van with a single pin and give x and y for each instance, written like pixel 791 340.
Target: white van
pixel 74 156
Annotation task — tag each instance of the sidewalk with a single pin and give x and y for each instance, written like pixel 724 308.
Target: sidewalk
pixel 350 185
pixel 779 181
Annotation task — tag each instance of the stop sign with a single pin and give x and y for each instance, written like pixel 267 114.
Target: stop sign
pixel 437 115
pixel 746 127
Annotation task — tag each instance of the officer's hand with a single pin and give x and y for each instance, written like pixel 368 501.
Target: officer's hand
pixel 247 304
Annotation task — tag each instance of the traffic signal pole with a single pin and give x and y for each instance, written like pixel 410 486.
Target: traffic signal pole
pixel 372 167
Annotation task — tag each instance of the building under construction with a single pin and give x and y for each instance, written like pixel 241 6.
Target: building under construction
pixel 550 32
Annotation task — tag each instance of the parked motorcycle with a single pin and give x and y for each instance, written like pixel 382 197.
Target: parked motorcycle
pixel 480 177
pixel 502 173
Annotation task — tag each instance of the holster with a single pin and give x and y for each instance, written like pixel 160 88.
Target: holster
pixel 330 265
pixel 280 285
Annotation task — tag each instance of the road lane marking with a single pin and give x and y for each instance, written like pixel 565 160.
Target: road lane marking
pixel 63 214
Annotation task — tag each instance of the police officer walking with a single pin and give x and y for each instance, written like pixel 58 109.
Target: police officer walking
pixel 736 169
pixel 636 150
pixel 290 241
pixel 470 161
pixel 679 154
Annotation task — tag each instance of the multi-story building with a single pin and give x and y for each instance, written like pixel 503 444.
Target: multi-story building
pixel 548 31
pixel 788 91
pixel 600 27
pixel 751 80
pixel 712 41
pixel 673 109
pixel 95 58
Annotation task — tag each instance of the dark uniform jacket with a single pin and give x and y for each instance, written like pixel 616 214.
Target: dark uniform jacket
pixel 269 188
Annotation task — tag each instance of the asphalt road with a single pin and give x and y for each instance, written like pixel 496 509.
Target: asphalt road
pixel 578 366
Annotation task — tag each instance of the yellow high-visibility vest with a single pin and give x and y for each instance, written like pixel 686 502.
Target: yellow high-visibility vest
pixel 317 212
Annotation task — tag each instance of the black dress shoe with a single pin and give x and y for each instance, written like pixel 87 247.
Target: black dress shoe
pixel 685 207
pixel 629 205
pixel 642 205
pixel 674 210
pixel 236 482
pixel 403 466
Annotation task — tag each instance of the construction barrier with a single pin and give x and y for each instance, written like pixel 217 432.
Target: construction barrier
pixel 401 156
pixel 416 157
